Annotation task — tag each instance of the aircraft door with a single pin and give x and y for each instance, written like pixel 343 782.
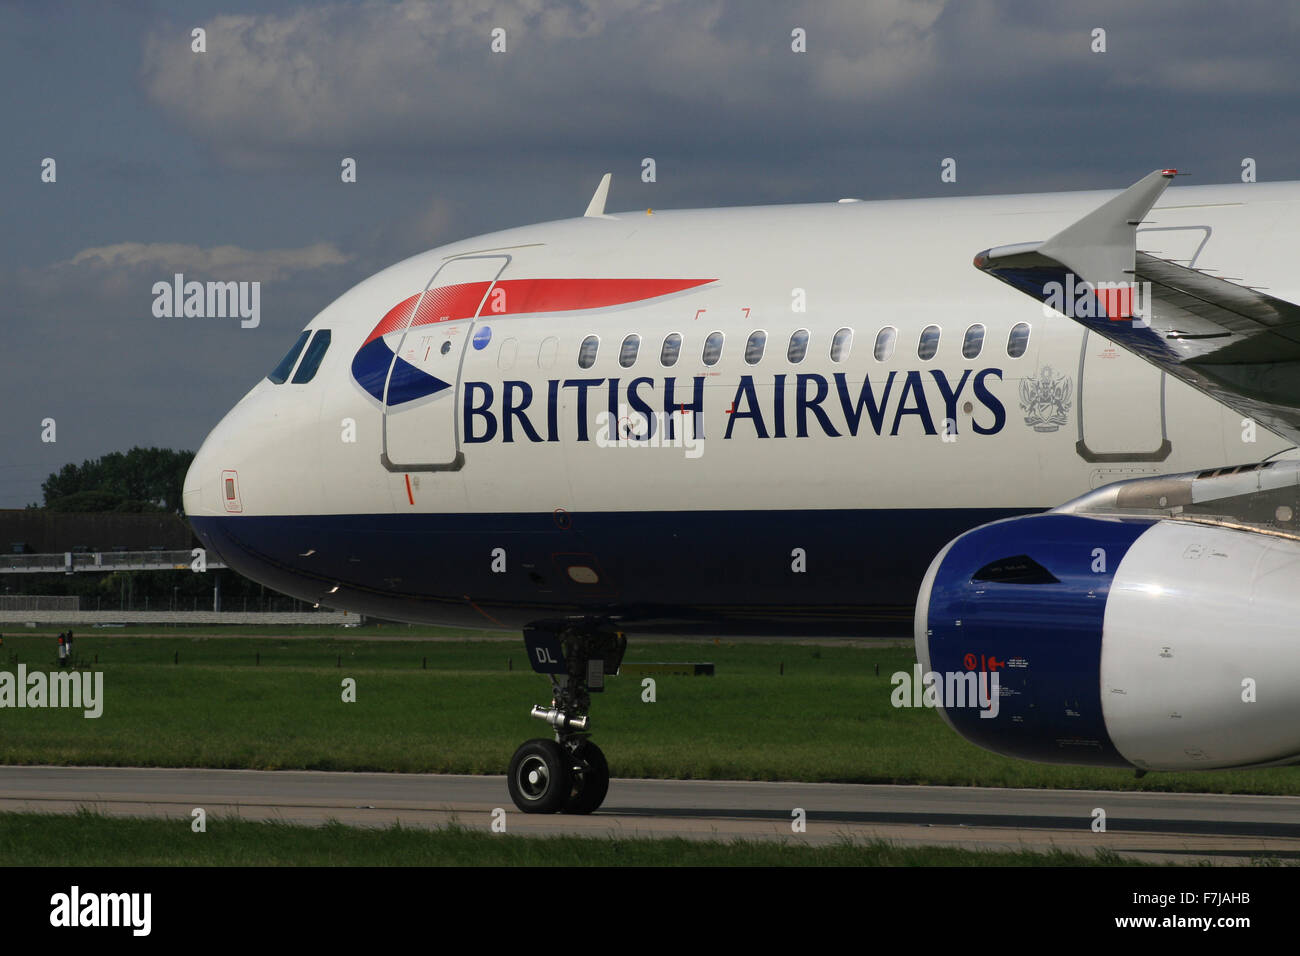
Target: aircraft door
pixel 1121 398
pixel 1121 404
pixel 421 430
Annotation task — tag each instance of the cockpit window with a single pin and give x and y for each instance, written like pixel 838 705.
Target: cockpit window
pixel 282 370
pixel 311 361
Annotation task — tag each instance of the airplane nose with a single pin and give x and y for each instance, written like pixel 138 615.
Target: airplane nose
pixel 207 493
pixel 212 493
pixel 202 490
pixel 192 495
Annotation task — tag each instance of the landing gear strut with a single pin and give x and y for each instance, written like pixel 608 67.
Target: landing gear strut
pixel 568 774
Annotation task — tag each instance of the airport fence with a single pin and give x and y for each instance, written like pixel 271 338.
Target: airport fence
pixel 39 602
pixel 10 618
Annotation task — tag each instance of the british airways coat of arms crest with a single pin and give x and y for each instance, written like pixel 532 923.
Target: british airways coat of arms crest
pixel 1046 398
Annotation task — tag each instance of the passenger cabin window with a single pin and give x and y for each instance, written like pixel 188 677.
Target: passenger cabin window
pixel 281 371
pixel 672 348
pixel 798 346
pixel 627 354
pixel 928 343
pixel 547 351
pixel 841 344
pixel 587 351
pixel 973 342
pixel 885 340
pixel 320 343
pixel 754 348
pixel 1018 340
pixel 506 355
pixel 712 348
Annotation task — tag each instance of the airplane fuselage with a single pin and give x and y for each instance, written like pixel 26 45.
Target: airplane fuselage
pixel 759 420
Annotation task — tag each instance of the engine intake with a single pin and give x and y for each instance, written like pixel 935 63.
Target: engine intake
pixel 1121 642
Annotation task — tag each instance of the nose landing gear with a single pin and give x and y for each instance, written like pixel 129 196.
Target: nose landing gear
pixel 568 774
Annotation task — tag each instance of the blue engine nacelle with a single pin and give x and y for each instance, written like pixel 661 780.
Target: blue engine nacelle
pixel 1025 599
pixel 1118 642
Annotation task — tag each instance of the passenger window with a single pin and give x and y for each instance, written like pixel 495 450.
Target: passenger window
pixel 841 344
pixel 546 353
pixel 311 361
pixel 973 342
pixel 506 357
pixel 798 346
pixel 754 348
pixel 1018 340
pixel 713 348
pixel 627 354
pixel 587 351
pixel 885 340
pixel 928 344
pixel 671 349
pixel 282 370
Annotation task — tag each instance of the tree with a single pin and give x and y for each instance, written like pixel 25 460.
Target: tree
pixel 142 479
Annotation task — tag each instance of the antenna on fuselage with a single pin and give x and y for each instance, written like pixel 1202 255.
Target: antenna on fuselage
pixel 597 205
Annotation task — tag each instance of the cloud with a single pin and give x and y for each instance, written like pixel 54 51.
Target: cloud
pixel 231 262
pixel 118 279
pixel 420 76
pixel 714 83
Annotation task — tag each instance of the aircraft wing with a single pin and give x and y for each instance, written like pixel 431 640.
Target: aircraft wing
pixel 1232 342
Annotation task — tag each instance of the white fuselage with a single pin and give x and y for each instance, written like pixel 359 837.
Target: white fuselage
pixel 826 481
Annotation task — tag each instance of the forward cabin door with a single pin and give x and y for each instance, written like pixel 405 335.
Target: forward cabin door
pixel 421 430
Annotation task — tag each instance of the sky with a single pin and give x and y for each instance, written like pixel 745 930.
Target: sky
pixel 226 164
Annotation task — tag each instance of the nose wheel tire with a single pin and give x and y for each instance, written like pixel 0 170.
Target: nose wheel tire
pixel 591 782
pixel 540 778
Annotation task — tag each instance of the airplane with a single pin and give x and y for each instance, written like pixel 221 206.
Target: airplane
pixel 725 422
pixel 1151 623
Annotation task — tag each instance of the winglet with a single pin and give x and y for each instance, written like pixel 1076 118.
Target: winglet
pixel 1102 246
pixel 597 205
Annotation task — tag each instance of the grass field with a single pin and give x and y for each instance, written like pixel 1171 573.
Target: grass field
pixel 275 703
pixel 29 839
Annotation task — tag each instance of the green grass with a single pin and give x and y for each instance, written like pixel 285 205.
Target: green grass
pixel 267 703
pixel 91 839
